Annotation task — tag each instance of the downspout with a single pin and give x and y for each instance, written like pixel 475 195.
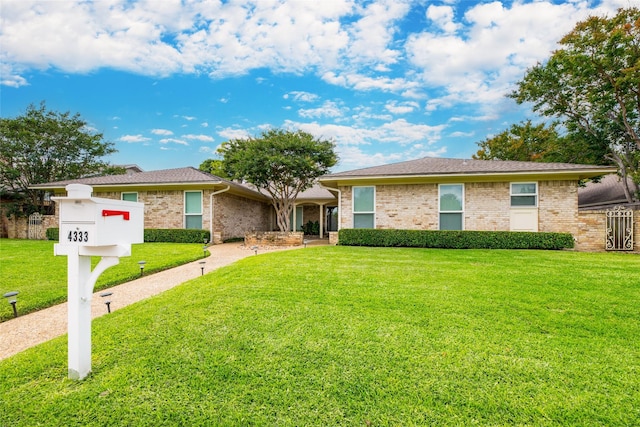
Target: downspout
pixel 339 203
pixel 212 211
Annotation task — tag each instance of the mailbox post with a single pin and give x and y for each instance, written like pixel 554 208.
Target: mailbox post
pixel 91 226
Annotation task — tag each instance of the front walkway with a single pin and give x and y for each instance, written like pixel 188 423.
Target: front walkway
pixel 32 329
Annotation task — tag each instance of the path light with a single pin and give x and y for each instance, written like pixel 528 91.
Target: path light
pixel 204 251
pixel 107 302
pixel 141 264
pixel 202 263
pixel 12 301
pixel 255 249
pixel 305 241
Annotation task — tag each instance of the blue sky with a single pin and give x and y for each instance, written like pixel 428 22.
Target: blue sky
pixel 169 81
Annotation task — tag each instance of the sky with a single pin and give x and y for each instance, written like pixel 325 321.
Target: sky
pixel 168 81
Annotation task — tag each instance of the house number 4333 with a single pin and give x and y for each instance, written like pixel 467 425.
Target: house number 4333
pixel 78 236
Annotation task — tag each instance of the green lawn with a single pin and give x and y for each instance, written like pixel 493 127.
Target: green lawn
pixel 29 267
pixel 353 336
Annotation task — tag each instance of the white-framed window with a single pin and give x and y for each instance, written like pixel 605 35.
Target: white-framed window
pixel 524 194
pixel 451 206
pixel 129 197
pixel 193 209
pixel 364 202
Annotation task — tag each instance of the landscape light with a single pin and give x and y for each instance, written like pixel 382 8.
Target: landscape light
pixel 204 251
pixel 202 263
pixel 107 302
pixel 255 249
pixel 305 241
pixel 141 264
pixel 12 301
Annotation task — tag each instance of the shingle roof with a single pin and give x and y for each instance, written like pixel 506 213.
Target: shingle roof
pixel 440 166
pixel 166 176
pixel 609 191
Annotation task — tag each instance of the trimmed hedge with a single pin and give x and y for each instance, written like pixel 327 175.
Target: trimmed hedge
pixel 158 235
pixel 52 233
pixel 446 239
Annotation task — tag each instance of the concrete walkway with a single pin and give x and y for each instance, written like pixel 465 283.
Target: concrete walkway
pixel 32 329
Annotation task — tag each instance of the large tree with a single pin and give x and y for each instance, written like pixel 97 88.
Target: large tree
pixel 282 163
pixel 541 143
pixel 214 167
pixel 44 146
pixel 592 83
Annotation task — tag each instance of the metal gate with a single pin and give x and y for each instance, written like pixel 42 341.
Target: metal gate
pixel 619 229
pixel 35 232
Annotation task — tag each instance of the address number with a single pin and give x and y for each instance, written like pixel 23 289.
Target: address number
pixel 78 236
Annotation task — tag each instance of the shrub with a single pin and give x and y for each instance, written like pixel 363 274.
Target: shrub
pixel 446 239
pixel 311 228
pixel 176 235
pixel 52 233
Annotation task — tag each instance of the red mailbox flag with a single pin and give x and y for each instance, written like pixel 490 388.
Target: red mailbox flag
pixel 107 212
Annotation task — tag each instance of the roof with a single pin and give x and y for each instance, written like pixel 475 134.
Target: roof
pixel 183 178
pixel 606 193
pixel 441 168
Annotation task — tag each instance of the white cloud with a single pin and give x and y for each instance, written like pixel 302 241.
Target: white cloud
pixel 161 132
pixel 301 96
pixel 203 138
pixel 396 107
pixel 328 109
pixel 233 133
pixel 134 138
pixel 443 17
pixel 480 63
pixel 174 141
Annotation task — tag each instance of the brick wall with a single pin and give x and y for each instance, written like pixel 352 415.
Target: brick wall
pixel 591 232
pixel 558 207
pixel 233 216
pixel 487 206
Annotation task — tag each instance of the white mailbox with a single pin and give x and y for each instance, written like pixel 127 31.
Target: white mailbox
pixel 94 221
pixel 91 226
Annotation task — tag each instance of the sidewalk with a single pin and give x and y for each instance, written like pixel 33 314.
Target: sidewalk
pixel 32 329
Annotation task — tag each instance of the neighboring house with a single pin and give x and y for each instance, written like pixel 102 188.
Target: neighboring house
pixel 605 194
pixel 458 194
pixel 190 198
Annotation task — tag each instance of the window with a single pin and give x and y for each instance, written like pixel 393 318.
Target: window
pixel 130 197
pixel 298 224
pixel 451 206
pixel 524 194
pixel 193 209
pixel 363 207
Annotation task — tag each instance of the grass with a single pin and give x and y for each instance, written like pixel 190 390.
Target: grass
pixel 30 267
pixel 358 336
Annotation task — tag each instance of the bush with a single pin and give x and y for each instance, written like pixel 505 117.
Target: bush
pixel 311 228
pixel 446 239
pixel 157 235
pixel 52 233
pixel 176 235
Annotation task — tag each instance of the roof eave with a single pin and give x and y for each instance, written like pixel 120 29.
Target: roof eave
pixel 573 174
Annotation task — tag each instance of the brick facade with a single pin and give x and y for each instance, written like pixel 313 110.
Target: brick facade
pixel 233 215
pixel 486 206
pixel 591 232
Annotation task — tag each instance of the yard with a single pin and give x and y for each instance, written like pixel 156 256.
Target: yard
pixel 29 267
pixel 358 336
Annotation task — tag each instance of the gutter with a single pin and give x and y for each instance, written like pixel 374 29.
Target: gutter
pixel 212 211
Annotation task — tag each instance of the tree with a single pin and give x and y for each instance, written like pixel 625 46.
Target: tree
pixel 540 143
pixel 214 167
pixel 282 163
pixel 593 84
pixel 44 146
